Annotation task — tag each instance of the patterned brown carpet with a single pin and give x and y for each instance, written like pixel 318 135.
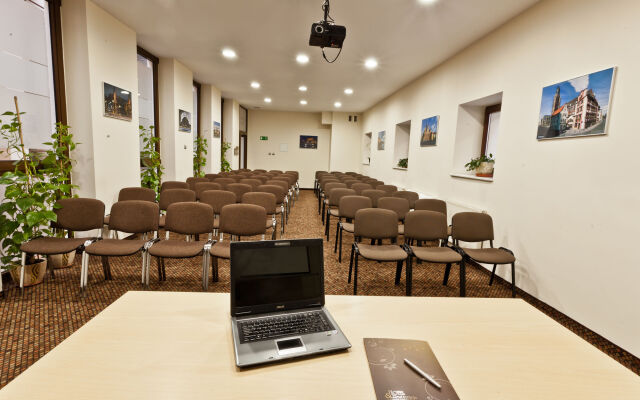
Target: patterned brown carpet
pixel 32 324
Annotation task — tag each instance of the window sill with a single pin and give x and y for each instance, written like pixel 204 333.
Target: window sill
pixel 400 168
pixel 366 163
pixel 473 177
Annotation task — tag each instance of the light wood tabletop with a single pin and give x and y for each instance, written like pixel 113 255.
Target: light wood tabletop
pixel 159 345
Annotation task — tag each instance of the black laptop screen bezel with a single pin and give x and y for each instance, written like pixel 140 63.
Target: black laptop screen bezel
pixel 291 305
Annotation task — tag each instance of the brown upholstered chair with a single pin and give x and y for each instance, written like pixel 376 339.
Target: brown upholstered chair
pixel 281 198
pixel 239 189
pixel 316 180
pixel 376 224
pixel 410 196
pixel 260 170
pixel 332 206
pixel 348 207
pixel 359 187
pixel 399 205
pixel 268 202
pixel 223 182
pixel 217 199
pixel 374 195
pixel 350 182
pixel 432 205
pixel 173 185
pixel 134 193
pixel 237 220
pixel 131 216
pixel 204 186
pixel 424 226
pixel 254 183
pixel 285 186
pixel 388 189
pixel 171 196
pixel 211 177
pixel 262 178
pixel 275 171
pixel 324 195
pixel 191 181
pixel 188 219
pixel 73 215
pixel 478 227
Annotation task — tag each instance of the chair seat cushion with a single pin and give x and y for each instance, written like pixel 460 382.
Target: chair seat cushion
pixel 334 212
pixel 221 250
pixel 401 229
pixel 385 252
pixel 176 249
pixel 269 223
pixel 436 254
pixel 106 219
pixel 52 245
pixel 114 247
pixel 490 256
pixel 348 226
pixel 161 221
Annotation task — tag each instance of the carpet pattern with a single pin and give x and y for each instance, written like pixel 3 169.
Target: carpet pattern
pixel 33 324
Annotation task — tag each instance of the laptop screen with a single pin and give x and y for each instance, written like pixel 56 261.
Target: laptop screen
pixel 278 275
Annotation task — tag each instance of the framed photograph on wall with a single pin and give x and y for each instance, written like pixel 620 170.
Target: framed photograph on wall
pixel 216 129
pixel 576 107
pixel 429 131
pixel 117 102
pixel 308 142
pixel 184 121
pixel 381 140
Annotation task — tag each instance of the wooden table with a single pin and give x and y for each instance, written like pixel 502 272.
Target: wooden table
pixel 159 345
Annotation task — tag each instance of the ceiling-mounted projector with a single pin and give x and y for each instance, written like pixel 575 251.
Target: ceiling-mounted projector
pixel 326 33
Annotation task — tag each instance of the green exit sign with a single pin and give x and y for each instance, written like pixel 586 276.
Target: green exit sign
pixel 264 137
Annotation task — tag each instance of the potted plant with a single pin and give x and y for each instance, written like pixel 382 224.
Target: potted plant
pixel 57 166
pixel 403 163
pixel 26 210
pixel 225 165
pixel 151 168
pixel 199 159
pixel 483 165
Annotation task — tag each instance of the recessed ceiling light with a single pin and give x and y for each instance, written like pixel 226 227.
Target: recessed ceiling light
pixel 302 58
pixel 303 102
pixel 267 99
pixel 337 104
pixel 427 1
pixel 302 88
pixel 229 53
pixel 348 91
pixel 371 63
pixel 255 85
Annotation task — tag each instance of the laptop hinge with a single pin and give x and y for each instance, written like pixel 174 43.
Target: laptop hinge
pixel 314 305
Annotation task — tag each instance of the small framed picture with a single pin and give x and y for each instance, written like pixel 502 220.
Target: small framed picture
pixel 216 129
pixel 117 102
pixel 308 142
pixel 429 131
pixel 381 139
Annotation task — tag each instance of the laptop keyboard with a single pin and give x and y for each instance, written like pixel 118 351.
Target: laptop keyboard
pixel 302 323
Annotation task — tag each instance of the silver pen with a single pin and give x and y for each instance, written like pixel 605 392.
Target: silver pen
pixel 422 373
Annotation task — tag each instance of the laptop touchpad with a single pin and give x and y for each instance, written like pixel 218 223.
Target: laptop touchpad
pixel 289 346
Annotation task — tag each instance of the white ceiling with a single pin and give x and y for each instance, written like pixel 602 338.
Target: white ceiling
pixel 407 37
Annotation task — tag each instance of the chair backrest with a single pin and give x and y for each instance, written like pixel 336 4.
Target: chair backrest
pixel 399 205
pixel 261 178
pixel 239 189
pixel 137 193
pixel 211 177
pixel 472 227
pixel 254 183
pixel 336 194
pixel 276 190
pixel 223 182
pixel 275 171
pixel 410 196
pixel 376 223
pixel 168 185
pixel 431 205
pixel 425 225
pixel 318 173
pixel 171 196
pixel 243 219
pixel 217 199
pixel 259 170
pixel 374 195
pixel 262 199
pixel 134 216
pixel 294 173
pixel 279 183
pixel 389 189
pixel 349 205
pixel 350 182
pixel 284 178
pixel 191 181
pixel 359 187
pixel 80 214
pixel 189 218
pixel 204 186
pixel 333 185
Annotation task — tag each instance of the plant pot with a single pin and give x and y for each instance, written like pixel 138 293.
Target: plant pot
pixel 485 169
pixel 33 273
pixel 58 261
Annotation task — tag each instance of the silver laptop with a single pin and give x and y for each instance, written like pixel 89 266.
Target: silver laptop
pixel 277 302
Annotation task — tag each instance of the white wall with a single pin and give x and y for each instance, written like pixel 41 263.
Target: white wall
pixel 286 128
pixel 210 105
pixel 99 48
pixel 345 138
pixel 566 207
pixel 175 91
